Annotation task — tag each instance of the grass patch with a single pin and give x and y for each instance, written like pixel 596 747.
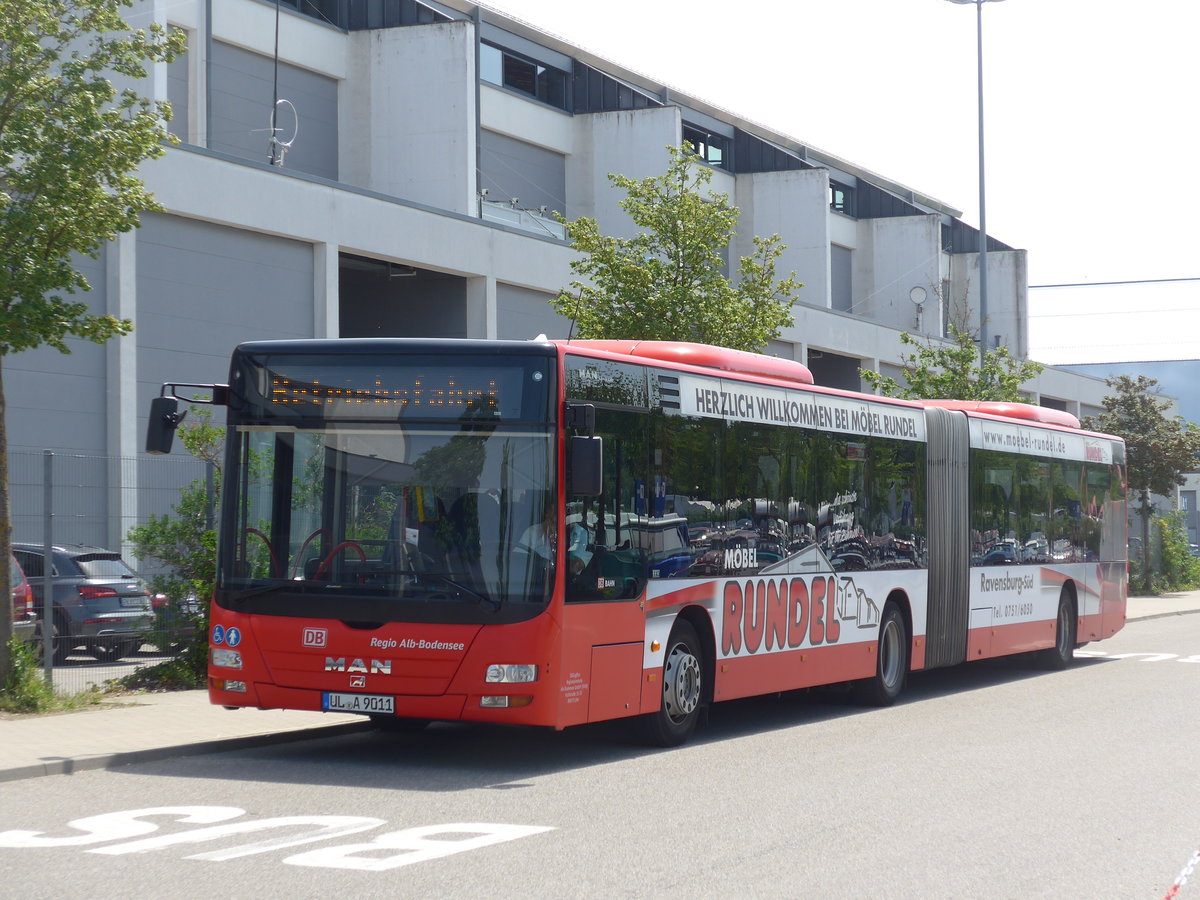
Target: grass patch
pixel 26 690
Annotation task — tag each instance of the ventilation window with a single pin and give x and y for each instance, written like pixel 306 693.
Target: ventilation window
pixel 711 148
pixel 841 198
pixel 507 69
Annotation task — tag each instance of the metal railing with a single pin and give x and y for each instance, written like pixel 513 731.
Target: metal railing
pixel 69 498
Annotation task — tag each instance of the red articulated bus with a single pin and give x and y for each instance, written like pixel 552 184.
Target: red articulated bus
pixel 559 532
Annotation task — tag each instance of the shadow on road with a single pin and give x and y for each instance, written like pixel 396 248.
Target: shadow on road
pixel 465 756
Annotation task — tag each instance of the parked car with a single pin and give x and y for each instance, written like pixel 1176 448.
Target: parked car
pixel 174 623
pixel 24 615
pixel 98 601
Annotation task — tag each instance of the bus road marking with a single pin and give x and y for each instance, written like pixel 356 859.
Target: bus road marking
pixel 380 853
pixel 1141 657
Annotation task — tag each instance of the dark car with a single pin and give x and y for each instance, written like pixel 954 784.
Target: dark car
pixel 98 601
pixel 174 623
pixel 24 616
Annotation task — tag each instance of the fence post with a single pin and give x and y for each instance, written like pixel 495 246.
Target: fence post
pixel 48 641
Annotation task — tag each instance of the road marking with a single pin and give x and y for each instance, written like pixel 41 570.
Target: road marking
pixel 415 845
pixel 1141 657
pixel 385 851
pixel 325 828
pixel 120 825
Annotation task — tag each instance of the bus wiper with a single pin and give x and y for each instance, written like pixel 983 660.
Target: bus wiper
pixel 480 598
pixel 242 596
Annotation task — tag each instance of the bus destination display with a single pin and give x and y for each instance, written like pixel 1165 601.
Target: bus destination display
pixel 350 389
pixel 440 395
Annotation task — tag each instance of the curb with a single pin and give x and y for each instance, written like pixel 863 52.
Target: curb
pixel 1162 615
pixel 71 765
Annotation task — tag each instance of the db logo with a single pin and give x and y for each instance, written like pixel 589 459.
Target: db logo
pixel 314 637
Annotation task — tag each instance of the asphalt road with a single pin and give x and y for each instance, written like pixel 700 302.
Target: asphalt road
pixel 991 780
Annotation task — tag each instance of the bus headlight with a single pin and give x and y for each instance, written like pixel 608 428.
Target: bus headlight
pixel 226 659
pixel 510 674
pixel 504 702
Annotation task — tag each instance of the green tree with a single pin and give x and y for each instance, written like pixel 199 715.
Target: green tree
pixel 187 541
pixel 666 283
pixel 70 139
pixel 1159 448
pixel 951 370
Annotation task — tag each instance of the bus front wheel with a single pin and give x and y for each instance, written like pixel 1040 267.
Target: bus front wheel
pixel 683 690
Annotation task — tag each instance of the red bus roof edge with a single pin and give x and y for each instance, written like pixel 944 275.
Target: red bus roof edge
pixel 1011 410
pixel 705 356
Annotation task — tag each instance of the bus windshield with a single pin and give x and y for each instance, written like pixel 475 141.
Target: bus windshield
pixel 344 516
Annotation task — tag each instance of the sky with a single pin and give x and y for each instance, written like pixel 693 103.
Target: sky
pixel 1091 117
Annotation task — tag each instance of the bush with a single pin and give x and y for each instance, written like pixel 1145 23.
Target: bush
pixel 26 690
pixel 186 544
pixel 179 674
pixel 180 628
pixel 1180 570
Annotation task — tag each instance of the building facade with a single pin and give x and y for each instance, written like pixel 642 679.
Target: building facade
pixel 426 147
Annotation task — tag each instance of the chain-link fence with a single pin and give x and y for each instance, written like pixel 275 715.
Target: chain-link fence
pixel 104 618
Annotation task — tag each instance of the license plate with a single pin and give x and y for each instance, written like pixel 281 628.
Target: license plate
pixel 358 703
pixel 133 602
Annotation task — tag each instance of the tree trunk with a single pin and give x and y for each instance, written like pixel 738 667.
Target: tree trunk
pixel 1146 509
pixel 6 610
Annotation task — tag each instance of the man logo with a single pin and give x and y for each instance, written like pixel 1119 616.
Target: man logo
pixel 377 667
pixel 314 637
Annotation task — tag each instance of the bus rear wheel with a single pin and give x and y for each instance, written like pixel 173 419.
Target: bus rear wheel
pixel 891 662
pixel 683 690
pixel 1062 654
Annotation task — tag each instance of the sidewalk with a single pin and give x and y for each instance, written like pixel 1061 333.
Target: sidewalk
pixel 184 723
pixel 149 727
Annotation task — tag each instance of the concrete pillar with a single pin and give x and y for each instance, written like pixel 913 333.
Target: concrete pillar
pixel 120 265
pixel 325 290
pixel 481 307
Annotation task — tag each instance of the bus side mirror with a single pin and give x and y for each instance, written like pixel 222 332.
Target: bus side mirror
pixel 585 466
pixel 164 419
pixel 580 417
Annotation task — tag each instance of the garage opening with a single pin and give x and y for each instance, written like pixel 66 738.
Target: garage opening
pixel 379 298
pixel 833 370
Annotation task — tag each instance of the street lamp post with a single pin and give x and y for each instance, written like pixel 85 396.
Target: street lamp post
pixel 983 284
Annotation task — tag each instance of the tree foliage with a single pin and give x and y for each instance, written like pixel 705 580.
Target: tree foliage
pixel 1180 570
pixel 951 370
pixel 1159 448
pixel 666 282
pixel 186 542
pixel 70 141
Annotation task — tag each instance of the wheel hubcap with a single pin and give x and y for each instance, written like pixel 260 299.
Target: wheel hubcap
pixel 890 654
pixel 681 683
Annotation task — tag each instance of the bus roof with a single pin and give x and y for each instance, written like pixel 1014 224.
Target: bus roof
pixel 1010 410
pixel 704 356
